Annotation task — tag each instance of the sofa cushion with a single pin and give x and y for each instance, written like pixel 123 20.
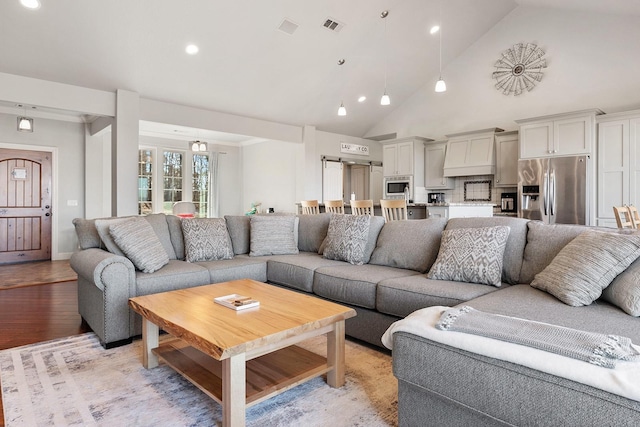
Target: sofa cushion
pixel 174 224
pixel 206 239
pixel 513 251
pixel 312 231
pixel 529 303
pixel 273 235
pixel 296 271
pixel 544 241
pixel 175 275
pixel 239 227
pixel 87 233
pixel 102 225
pixel 412 245
pixel 624 291
pixel 402 296
pixel 138 240
pixel 347 238
pixel 471 255
pixel 354 284
pixel 161 228
pixel 587 265
pixel 240 267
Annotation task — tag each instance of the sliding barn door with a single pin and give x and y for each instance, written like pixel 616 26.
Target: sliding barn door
pixel 331 181
pixel 25 206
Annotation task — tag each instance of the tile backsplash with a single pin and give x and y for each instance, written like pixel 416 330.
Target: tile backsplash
pixel 474 191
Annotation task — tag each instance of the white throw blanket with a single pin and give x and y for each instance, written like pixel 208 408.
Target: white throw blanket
pixel 624 380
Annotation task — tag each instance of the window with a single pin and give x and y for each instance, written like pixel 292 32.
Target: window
pixel 145 182
pixel 171 176
pixel 200 184
pixel 172 180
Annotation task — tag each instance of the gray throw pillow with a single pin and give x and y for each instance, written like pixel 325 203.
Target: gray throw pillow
pixel 347 238
pixel 139 242
pixel 587 265
pixel 87 233
pixel 624 291
pixel 412 245
pixel 273 235
pixel 103 225
pixel 206 239
pixel 472 255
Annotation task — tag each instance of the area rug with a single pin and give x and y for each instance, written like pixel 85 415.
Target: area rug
pixel 75 382
pixel 35 273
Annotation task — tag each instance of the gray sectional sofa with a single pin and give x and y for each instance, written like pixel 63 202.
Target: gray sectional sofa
pixel 438 384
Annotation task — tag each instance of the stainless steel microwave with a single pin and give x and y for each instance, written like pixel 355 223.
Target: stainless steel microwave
pixel 394 186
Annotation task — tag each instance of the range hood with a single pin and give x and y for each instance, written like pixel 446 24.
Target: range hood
pixel 471 153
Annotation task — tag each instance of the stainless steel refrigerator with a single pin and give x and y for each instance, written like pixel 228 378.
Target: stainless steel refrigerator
pixel 554 190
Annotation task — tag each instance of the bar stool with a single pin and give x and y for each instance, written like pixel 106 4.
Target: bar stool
pixel 310 207
pixel 334 206
pixel 362 207
pixel 394 210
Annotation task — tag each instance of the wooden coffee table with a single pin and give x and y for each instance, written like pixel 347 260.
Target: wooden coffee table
pixel 240 358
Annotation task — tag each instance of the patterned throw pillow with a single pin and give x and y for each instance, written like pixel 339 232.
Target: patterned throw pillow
pixel 472 255
pixel 587 265
pixel 273 235
pixel 206 239
pixel 136 238
pixel 347 238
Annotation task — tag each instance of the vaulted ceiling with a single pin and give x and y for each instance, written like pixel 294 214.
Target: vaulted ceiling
pixel 247 65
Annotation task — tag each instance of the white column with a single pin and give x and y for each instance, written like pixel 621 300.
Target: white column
pixel 124 155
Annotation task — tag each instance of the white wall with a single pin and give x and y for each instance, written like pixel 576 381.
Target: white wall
pixel 270 174
pixel 592 63
pixel 68 138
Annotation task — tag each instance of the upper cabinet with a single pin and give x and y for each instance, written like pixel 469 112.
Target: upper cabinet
pixel 471 153
pixel 618 177
pixel 558 135
pixel 434 155
pixel 404 156
pixel 507 159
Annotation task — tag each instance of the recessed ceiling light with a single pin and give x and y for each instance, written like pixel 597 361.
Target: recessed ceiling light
pixel 434 29
pixel 362 98
pixel 192 49
pixel 31 4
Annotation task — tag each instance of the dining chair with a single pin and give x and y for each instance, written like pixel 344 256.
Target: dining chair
pixel 334 206
pixel 634 216
pixel 310 207
pixel 623 217
pixel 362 207
pixel 393 210
pixel 184 209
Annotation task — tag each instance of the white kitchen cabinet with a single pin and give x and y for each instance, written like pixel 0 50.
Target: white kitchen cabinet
pixel 618 159
pixel 471 153
pixel 507 159
pixel 434 155
pixel 405 157
pixel 558 135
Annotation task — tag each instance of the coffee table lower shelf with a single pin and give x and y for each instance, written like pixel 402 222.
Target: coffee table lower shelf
pixel 266 375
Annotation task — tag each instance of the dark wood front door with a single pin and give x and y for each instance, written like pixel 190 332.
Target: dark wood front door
pixel 25 206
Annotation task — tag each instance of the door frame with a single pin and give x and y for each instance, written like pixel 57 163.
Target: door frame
pixel 55 202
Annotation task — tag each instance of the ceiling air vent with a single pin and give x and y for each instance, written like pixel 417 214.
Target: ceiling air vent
pixel 288 27
pixel 333 25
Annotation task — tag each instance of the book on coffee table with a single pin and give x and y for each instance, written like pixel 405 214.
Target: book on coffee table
pixel 237 302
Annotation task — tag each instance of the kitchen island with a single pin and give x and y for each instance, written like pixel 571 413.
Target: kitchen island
pixel 430 210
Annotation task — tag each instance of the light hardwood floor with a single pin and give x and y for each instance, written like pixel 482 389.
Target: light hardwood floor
pixel 37 313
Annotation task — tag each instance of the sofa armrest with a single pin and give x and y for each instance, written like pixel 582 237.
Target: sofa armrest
pixel 97 266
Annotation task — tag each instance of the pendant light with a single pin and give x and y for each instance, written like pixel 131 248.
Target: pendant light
pixel 441 86
pixel 341 110
pixel 385 100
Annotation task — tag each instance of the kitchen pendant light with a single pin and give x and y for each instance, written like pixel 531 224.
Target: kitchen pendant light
pixel 385 100
pixel 341 110
pixel 25 124
pixel 441 86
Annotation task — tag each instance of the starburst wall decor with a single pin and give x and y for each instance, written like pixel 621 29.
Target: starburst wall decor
pixel 519 68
